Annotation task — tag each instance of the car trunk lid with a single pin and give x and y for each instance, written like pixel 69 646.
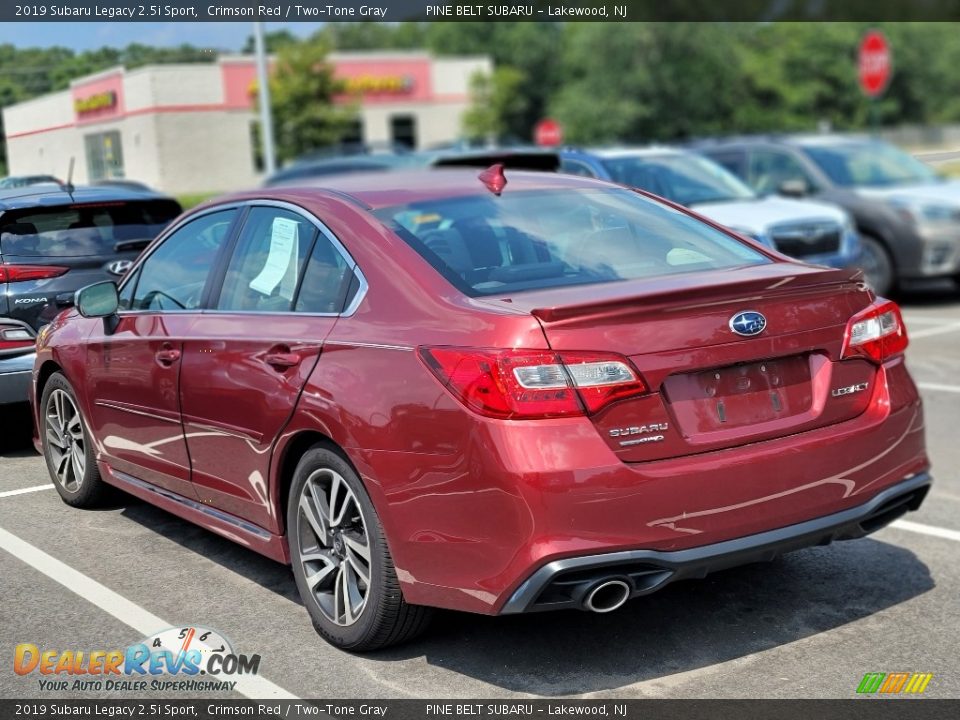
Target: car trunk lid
pixel 710 387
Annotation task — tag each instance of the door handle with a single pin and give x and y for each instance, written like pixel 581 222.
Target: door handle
pixel 167 356
pixel 280 360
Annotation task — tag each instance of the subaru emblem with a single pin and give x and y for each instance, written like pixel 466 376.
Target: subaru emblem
pixel 748 323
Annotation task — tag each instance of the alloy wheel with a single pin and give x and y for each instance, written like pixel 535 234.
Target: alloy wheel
pixel 334 549
pixel 66 444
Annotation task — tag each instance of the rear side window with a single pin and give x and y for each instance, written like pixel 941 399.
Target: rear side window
pixel 267 264
pixel 527 240
pixel 83 230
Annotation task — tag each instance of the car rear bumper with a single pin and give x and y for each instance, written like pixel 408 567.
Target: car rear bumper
pixel 563 584
pixel 15 374
pixel 469 528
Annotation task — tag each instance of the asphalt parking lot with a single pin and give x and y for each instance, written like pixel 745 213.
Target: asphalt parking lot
pixel 808 625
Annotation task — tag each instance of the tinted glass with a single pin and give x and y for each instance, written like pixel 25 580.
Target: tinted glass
pixel 685 179
pixel 872 164
pixel 525 240
pixel 267 264
pixel 174 275
pixel 770 169
pixel 80 230
pixel 575 167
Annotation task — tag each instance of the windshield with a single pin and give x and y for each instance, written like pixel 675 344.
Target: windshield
pixel 685 179
pixel 528 240
pixel 869 164
pixel 82 230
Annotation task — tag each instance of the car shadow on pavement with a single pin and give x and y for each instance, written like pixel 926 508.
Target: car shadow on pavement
pixel 689 625
pixel 16 430
pixel 255 567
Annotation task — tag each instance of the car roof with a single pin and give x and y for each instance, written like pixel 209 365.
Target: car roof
pixel 797 139
pixel 386 189
pixel 52 195
pixel 624 152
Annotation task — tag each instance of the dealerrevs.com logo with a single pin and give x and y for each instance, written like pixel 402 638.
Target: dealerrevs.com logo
pixel 187 659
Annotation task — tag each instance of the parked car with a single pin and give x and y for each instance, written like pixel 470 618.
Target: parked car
pixel 907 216
pixel 519 158
pixel 52 243
pixel 20 181
pixel 495 392
pixel 810 231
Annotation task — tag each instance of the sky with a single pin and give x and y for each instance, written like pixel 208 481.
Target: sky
pixel 86 36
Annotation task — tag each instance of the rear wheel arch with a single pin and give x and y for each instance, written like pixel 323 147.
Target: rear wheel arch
pixel 294 450
pixel 48 368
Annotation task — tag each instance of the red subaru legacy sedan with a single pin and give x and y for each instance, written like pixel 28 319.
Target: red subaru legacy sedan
pixel 497 393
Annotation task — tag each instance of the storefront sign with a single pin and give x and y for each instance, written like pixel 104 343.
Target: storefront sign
pixel 94 103
pixel 370 84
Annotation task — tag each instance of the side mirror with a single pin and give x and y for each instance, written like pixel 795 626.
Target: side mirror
pixel 796 188
pixel 99 300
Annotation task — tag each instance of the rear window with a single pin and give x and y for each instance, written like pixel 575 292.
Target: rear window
pixel 80 230
pixel 529 240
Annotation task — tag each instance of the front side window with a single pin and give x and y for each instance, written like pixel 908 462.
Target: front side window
pixel 532 239
pixel 267 264
pixel 174 276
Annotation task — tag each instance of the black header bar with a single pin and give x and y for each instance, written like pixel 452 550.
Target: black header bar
pixel 504 11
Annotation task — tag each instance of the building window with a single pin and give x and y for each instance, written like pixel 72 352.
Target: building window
pixel 353 135
pixel 403 131
pixel 104 155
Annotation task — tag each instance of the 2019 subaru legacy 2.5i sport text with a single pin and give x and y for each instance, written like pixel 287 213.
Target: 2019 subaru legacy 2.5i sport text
pixel 501 393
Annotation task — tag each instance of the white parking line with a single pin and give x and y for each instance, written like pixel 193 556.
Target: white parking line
pixel 929 332
pixel 24 491
pixel 938 386
pixel 129 613
pixel 931 530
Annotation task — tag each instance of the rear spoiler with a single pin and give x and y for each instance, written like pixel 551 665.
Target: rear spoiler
pixel 615 298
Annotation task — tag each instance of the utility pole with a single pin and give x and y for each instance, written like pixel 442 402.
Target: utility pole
pixel 266 115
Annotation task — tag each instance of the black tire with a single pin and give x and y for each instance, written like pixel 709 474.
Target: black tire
pixel 878 268
pixel 384 618
pixel 78 485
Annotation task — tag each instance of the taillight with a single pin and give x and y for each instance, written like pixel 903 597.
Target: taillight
pixel 13 338
pixel 532 383
pixel 19 273
pixel 877 332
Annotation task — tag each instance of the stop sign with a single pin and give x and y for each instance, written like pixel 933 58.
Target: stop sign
pixel 548 132
pixel 874 63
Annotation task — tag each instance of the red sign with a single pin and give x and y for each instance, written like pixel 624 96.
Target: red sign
pixel 874 63
pixel 548 133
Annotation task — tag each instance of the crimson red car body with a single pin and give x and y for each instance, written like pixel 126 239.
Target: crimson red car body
pixel 478 510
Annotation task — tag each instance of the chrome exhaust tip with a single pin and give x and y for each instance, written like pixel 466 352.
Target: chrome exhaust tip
pixel 607 596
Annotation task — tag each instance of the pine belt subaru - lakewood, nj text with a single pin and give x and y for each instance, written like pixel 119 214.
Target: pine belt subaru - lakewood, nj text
pixel 494 392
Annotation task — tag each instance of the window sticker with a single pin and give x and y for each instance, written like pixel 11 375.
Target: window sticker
pixel 282 261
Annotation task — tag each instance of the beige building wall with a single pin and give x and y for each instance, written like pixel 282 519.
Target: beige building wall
pixel 204 152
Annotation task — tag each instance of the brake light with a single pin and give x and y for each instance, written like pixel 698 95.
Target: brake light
pixel 533 383
pixel 14 338
pixel 877 333
pixel 19 273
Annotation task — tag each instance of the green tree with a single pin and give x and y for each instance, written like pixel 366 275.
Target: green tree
pixel 303 89
pixel 498 104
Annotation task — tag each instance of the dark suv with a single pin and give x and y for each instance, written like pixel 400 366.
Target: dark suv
pixel 907 216
pixel 53 242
